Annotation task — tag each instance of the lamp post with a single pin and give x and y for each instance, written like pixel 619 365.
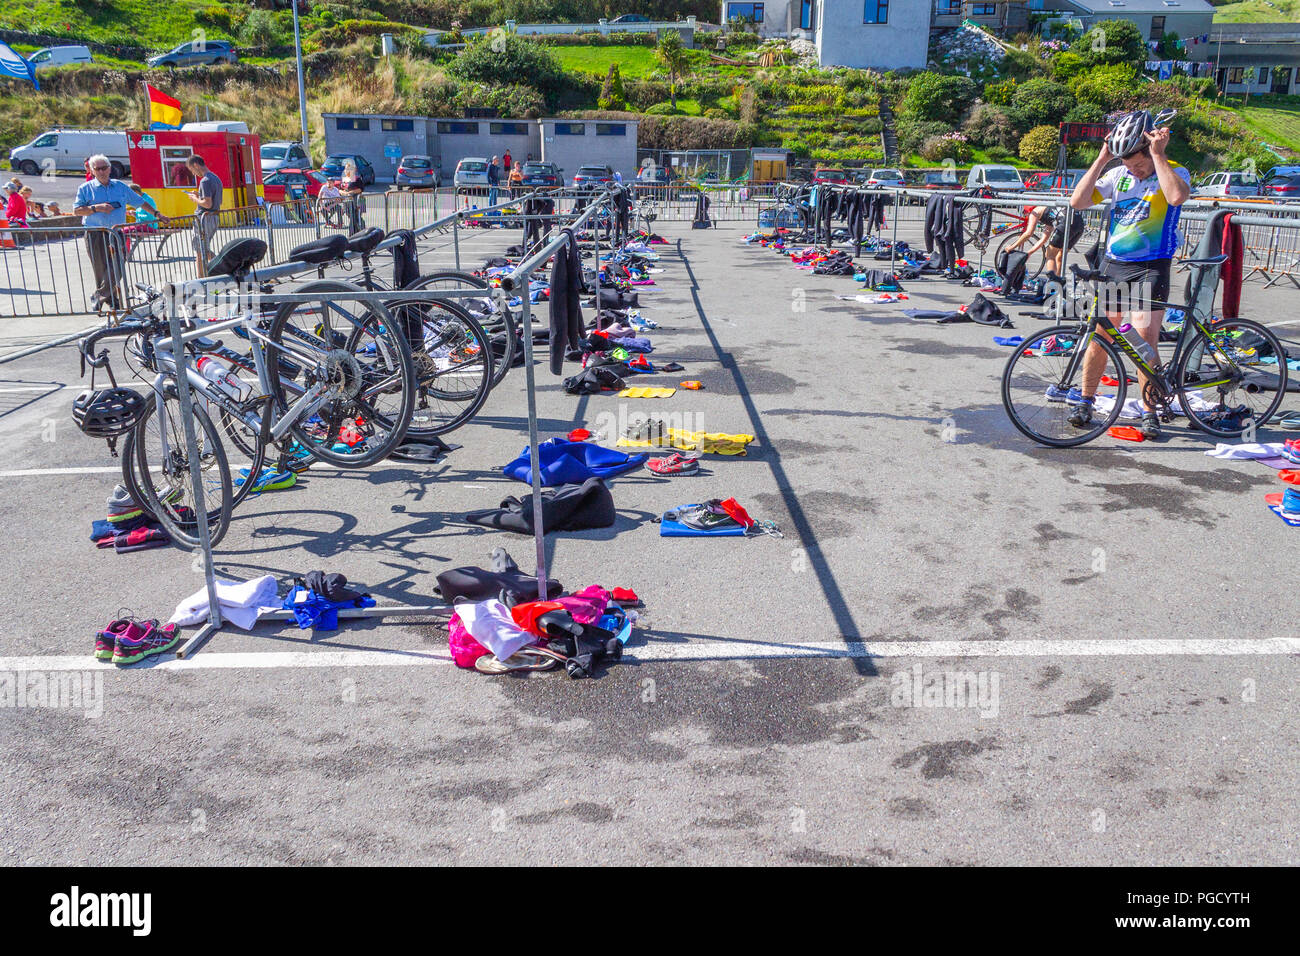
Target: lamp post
pixel 302 90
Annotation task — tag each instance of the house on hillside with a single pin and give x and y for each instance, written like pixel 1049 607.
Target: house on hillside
pixel 878 34
pixel 1154 18
pixel 1256 57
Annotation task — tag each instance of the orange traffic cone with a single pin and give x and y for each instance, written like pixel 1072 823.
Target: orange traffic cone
pixel 6 238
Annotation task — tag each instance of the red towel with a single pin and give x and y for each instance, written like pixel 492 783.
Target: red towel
pixel 1231 276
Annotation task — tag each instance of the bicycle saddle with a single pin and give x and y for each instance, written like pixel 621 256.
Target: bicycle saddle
pixel 238 258
pixel 205 344
pixel 365 240
pixel 319 251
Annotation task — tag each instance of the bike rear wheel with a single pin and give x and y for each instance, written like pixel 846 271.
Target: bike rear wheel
pixel 502 328
pixel 1232 381
pixel 362 359
pixel 453 367
pixel 1037 382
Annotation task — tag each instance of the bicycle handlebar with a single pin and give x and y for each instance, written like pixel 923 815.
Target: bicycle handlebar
pixel 87 346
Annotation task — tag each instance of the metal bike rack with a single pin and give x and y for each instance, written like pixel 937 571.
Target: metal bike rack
pixel 177 293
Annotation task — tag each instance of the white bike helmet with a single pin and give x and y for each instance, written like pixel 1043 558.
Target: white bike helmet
pixel 1128 136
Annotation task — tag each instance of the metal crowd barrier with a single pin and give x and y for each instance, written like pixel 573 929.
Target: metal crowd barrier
pixel 48 271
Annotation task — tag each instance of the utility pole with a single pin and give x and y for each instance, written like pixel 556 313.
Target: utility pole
pixel 302 89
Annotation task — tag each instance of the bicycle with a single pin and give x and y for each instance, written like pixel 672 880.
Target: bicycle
pixel 1227 376
pixel 344 394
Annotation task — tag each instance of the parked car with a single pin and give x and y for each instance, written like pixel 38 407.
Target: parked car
pixel 277 155
pixel 417 172
pixel 631 18
pixel 333 167
pixel 592 175
pixel 1282 187
pixel 67 149
pixel 1050 182
pixel 825 175
pixel 292 183
pixel 994 176
pixel 1228 184
pixel 205 53
pixel 542 174
pixel 471 171
pixel 1280 171
pixel 884 177
pixel 59 56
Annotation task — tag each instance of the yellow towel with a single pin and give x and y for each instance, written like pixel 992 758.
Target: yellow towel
pixel 645 392
pixel 712 443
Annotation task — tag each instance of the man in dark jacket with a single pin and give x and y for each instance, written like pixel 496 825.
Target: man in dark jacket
pixel 494 180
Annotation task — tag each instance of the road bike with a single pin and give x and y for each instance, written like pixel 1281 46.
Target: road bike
pixel 1227 376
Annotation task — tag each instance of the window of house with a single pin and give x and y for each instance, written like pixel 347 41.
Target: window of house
pixel 175 172
pixel 348 122
pixel 1157 28
pixel 611 129
pixel 508 129
pixel 877 11
pixel 949 8
pixel 805 15
pixel 570 129
pixel 397 126
pixel 983 9
pixel 1235 74
pixel 455 128
pixel 745 11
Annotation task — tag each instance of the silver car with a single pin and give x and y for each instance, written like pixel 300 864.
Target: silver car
pixel 416 172
pixel 197 53
pixel 1229 184
pixel 471 171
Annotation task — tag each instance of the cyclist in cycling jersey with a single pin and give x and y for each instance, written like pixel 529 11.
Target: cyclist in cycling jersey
pixel 1145 191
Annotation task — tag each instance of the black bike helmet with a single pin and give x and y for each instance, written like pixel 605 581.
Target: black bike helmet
pixel 1128 135
pixel 107 412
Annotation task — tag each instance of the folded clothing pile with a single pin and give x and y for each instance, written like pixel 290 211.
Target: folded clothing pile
pixel 127 526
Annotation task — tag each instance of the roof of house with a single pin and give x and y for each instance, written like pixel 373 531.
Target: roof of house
pixel 1120 7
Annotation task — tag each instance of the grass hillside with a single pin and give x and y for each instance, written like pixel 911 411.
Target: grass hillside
pixel 1257 11
pixel 120 22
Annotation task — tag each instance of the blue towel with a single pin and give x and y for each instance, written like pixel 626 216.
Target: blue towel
pixel 668 528
pixel 566 462
pixel 318 612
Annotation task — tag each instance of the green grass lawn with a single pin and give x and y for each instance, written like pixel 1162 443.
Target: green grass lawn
pixel 1258 11
pixel 1276 119
pixel 136 22
pixel 634 62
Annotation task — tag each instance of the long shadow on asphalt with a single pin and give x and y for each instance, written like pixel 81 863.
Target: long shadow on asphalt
pixel 844 621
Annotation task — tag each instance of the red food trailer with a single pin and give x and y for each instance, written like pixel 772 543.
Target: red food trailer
pixel 158 166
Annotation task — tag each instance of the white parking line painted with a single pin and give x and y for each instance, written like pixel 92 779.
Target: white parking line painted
pixel 30 388
pixel 710 650
pixel 37 472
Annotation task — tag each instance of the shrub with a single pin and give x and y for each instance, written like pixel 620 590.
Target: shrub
pixel 1040 101
pixel 1113 87
pixel 937 98
pixel 260 30
pixel 1066 65
pixel 1000 92
pixel 1086 113
pixel 1039 146
pixel 507 58
pixel 661 109
pixel 913 133
pixel 991 126
pixel 1111 42
pixel 947 146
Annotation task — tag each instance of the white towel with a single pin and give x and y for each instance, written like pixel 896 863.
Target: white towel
pixel 492 625
pixel 240 602
pixel 1246 450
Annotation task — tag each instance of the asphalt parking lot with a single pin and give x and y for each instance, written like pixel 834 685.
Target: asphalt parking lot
pixel 1121 610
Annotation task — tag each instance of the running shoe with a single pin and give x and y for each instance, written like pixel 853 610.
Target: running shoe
pixel 141 640
pixel 1291 450
pixel 678 463
pixel 1073 396
pixel 106 639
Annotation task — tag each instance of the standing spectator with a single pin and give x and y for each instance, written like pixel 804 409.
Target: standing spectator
pixel 352 187
pixel 207 209
pixel 16 205
pixel 506 165
pixel 516 180
pixel 89 174
pixel 494 181
pixel 102 203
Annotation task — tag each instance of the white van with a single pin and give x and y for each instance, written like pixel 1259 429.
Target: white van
pixel 995 176
pixel 68 149
pixel 59 56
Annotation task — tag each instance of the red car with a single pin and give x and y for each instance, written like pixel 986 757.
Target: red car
pixel 278 185
pixel 1281 187
pixel 830 176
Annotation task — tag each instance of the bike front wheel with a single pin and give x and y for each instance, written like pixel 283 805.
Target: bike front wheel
pixel 1233 380
pixel 1041 384
pixel 160 470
